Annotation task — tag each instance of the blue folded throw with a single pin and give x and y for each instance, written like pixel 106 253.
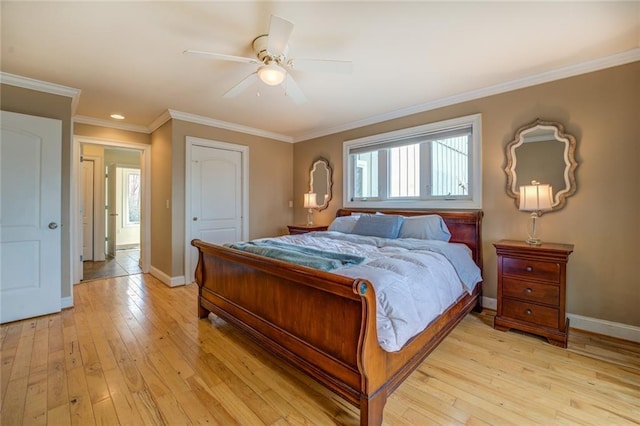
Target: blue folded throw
pixel 305 256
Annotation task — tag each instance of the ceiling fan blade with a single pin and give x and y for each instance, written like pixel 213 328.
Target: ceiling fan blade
pixel 292 90
pixel 240 87
pixel 322 65
pixel 223 57
pixel 279 32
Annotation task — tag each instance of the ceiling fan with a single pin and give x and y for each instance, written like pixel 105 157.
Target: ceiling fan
pixel 274 65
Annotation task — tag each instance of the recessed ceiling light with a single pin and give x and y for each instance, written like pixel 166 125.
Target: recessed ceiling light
pixel 117 116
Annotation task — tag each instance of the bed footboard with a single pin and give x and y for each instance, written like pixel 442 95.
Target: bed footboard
pixel 291 310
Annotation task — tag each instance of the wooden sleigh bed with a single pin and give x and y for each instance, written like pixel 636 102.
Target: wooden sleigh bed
pixel 324 323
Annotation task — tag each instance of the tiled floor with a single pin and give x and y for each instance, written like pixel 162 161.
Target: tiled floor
pixel 126 262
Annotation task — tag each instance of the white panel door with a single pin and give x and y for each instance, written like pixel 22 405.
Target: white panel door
pixel 86 208
pixel 216 197
pixel 30 213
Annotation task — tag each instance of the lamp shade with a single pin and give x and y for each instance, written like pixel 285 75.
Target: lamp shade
pixel 535 197
pixel 271 74
pixel 310 200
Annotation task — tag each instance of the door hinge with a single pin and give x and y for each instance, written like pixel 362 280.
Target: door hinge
pixel 81 258
pixel 81 158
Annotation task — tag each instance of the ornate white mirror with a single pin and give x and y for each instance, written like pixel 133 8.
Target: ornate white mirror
pixel 320 183
pixel 541 151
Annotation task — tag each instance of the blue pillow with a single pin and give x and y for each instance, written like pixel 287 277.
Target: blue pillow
pixel 343 224
pixel 384 226
pixel 430 227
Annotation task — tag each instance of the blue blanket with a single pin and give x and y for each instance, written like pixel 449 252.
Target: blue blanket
pixel 305 256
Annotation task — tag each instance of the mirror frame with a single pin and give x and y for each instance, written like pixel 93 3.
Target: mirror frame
pixel 561 195
pixel 321 162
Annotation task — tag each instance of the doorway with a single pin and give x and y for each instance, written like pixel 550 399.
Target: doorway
pixel 115 224
pixel 122 203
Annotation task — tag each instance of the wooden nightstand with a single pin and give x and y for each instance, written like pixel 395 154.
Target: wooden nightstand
pixel 531 289
pixel 303 229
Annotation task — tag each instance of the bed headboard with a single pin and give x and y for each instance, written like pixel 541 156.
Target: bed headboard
pixel 465 225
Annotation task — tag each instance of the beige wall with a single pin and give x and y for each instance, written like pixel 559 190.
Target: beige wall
pixel 110 134
pixel 270 186
pixel 92 150
pixel 31 102
pixel 161 175
pixel 121 157
pixel 602 110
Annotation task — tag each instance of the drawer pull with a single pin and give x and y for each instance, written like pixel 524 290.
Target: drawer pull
pixel 529 290
pixel 529 269
pixel 528 312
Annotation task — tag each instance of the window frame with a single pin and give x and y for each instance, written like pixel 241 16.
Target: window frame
pixel 473 201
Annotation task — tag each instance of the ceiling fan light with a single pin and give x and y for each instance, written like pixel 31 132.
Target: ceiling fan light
pixel 271 74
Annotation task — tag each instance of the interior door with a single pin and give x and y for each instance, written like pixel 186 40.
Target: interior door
pixel 112 210
pixel 86 209
pixel 216 197
pixel 30 214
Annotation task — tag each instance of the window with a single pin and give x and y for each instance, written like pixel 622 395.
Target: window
pixel 436 165
pixel 131 196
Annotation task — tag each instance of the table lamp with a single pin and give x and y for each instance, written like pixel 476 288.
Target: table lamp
pixel 535 198
pixel 310 203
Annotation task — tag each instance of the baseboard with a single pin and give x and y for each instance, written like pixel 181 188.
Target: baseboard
pixel 593 325
pixel 608 328
pixel 170 281
pixel 66 302
pixel 489 303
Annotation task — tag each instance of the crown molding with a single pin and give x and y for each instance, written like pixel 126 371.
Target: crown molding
pixel 198 119
pixel 622 58
pixel 42 86
pixel 178 115
pixel 107 123
pixel 159 121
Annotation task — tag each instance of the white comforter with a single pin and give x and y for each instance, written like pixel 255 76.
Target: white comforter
pixel 414 282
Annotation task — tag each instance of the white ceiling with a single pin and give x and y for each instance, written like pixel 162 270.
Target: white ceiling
pixel 127 57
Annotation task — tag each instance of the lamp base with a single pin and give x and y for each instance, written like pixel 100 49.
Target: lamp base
pixel 310 217
pixel 533 241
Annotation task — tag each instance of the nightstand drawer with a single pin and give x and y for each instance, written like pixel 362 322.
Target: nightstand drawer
pixel 529 312
pixel 531 268
pixel 530 291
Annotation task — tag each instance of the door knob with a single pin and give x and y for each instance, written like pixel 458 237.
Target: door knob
pixel 195 218
pixel 53 225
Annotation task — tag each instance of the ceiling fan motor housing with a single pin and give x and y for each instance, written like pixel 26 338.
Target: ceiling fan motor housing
pixel 259 45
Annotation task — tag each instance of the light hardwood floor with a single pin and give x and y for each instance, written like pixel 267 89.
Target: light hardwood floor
pixel 132 351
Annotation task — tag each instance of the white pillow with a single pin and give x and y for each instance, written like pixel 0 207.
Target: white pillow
pixel 343 224
pixel 429 227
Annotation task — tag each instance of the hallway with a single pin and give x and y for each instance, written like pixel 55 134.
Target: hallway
pixel 126 262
